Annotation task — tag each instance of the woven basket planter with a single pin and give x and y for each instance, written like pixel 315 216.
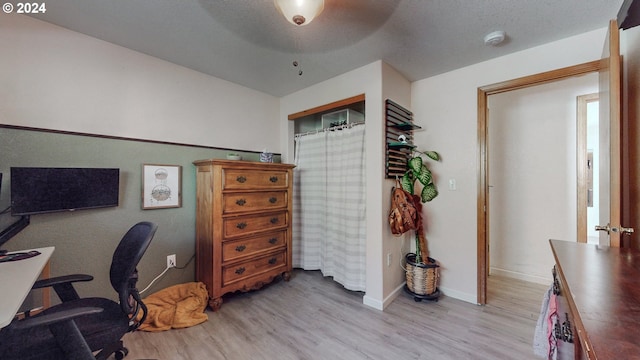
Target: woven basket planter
pixel 422 279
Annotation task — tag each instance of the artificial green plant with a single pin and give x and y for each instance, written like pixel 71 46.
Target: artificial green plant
pixel 417 171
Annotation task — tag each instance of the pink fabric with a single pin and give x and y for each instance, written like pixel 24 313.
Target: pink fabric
pixel 552 320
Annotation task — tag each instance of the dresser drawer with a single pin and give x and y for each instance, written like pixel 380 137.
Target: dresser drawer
pixel 243 225
pixel 252 267
pixel 255 179
pixel 256 201
pixel 232 250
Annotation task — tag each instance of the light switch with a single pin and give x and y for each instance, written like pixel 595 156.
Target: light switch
pixel 452 184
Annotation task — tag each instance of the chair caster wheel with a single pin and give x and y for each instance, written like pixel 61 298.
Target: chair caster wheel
pixel 120 354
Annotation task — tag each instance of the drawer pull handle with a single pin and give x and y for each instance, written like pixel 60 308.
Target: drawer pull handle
pixel 241 225
pixel 274 220
pixel 273 241
pixel 273 179
pixel 241 202
pixel 240 248
pixel 240 270
pixel 241 179
pixel 272 261
pixel 273 200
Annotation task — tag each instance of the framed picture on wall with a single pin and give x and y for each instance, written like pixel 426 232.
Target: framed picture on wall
pixel 161 186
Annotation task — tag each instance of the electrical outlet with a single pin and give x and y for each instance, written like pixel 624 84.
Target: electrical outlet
pixel 388 259
pixel 171 261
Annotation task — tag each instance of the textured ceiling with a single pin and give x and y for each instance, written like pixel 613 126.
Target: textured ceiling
pixel 249 43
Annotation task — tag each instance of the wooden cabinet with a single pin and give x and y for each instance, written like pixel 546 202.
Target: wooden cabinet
pixel 243 225
pixel 602 292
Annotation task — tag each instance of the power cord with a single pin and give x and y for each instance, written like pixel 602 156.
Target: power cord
pixel 154 280
pixel 165 271
pixel 187 264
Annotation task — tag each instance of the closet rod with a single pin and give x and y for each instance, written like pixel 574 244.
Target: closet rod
pixel 339 127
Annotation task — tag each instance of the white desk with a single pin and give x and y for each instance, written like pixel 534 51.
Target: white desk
pixel 16 280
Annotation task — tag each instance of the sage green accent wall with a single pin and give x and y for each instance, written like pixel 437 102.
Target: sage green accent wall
pixel 85 239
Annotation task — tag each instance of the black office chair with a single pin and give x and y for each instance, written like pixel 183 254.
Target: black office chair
pixel 79 327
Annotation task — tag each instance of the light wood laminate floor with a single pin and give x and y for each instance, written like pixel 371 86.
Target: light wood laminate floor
pixel 312 317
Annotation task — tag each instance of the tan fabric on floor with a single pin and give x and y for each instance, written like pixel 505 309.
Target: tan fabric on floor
pixel 176 307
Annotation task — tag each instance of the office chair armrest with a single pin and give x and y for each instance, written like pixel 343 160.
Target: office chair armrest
pixel 61 280
pixel 63 285
pixel 53 318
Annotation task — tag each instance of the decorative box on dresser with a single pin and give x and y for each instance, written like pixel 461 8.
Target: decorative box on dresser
pixel 601 287
pixel 243 225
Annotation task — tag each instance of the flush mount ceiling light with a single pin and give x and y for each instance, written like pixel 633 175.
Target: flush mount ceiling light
pixel 300 12
pixel 494 38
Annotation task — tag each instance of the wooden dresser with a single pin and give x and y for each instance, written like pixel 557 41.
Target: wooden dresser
pixel 602 290
pixel 243 225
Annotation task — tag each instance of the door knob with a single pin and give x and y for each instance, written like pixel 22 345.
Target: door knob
pixel 608 228
pixel 626 231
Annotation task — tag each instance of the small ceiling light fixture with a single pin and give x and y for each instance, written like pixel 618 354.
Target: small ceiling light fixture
pixel 300 12
pixel 494 38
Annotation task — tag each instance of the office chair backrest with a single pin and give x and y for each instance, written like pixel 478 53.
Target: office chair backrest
pixel 123 273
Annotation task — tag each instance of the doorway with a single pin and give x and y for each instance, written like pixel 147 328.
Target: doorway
pixel 588 168
pixel 483 171
pixel 532 146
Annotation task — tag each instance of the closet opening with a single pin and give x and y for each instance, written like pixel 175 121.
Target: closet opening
pixel 329 187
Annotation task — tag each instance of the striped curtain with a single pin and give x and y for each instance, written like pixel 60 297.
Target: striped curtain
pixel 329 205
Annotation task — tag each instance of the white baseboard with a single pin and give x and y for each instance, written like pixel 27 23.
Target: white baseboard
pixel 394 294
pixel 371 302
pixel 470 298
pixel 381 305
pixel 521 276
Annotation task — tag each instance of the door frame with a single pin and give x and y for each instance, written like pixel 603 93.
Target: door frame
pixel 483 165
pixel 610 91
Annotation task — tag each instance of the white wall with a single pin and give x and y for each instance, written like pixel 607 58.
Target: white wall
pixel 54 78
pixel 398 89
pixel 446 105
pixel 533 175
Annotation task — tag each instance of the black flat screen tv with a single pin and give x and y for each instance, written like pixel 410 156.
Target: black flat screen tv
pixel 37 190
